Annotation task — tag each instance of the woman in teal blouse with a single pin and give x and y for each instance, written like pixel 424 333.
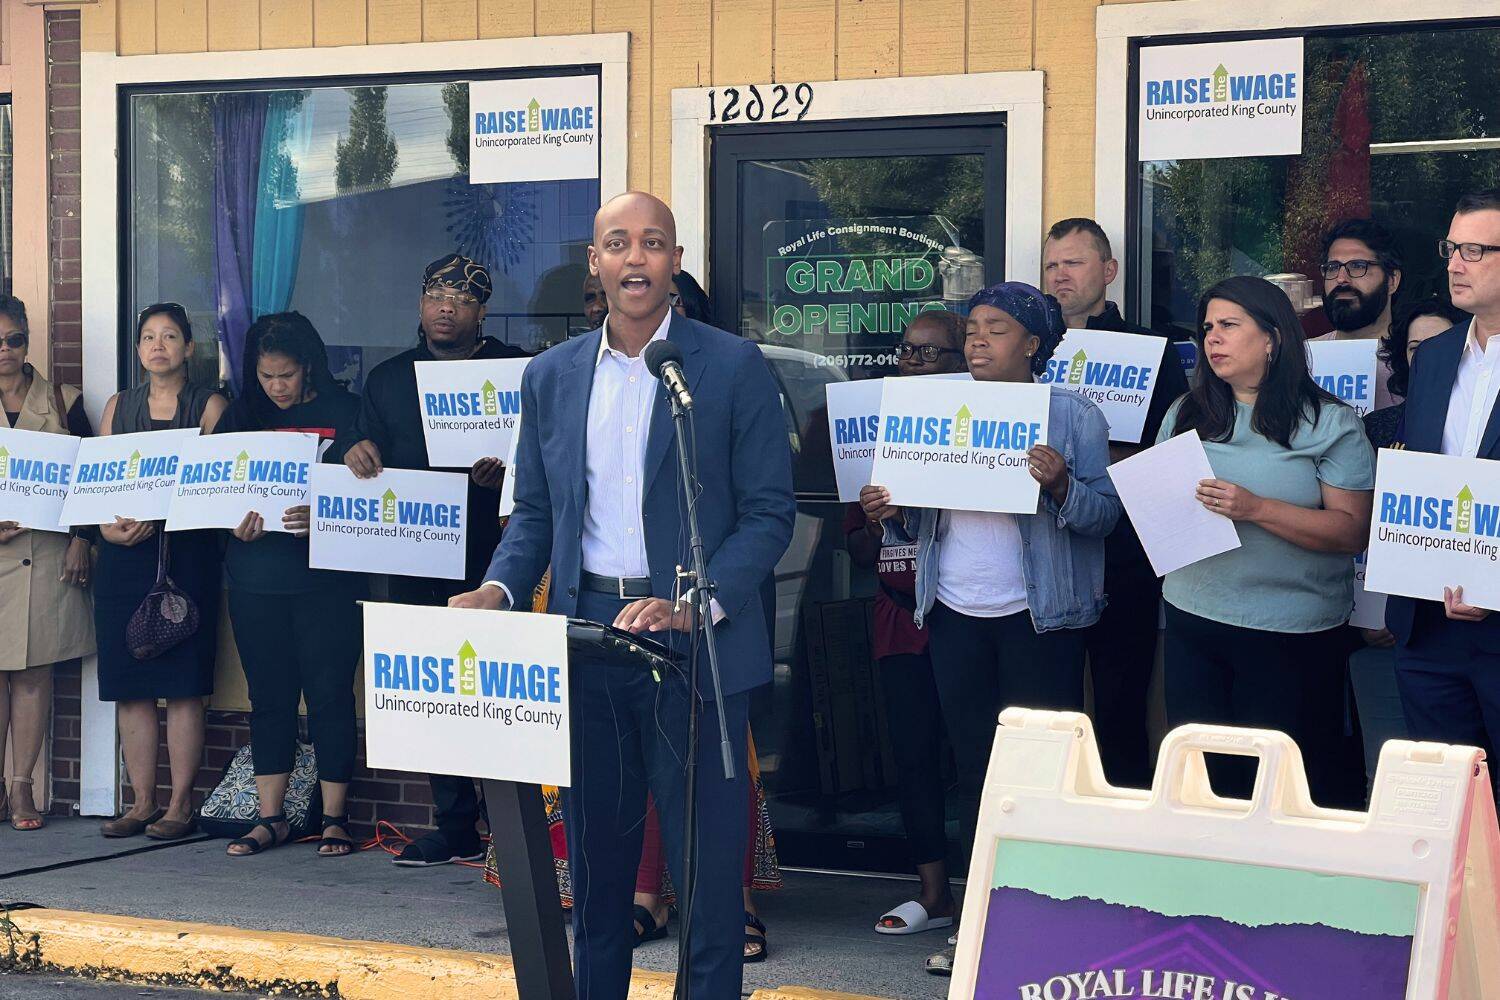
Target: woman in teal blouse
pixel 1254 635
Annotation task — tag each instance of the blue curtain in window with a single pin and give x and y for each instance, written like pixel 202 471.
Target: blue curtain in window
pixel 278 205
pixel 239 131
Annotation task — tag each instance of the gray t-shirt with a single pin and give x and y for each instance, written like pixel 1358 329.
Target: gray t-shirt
pixel 1269 583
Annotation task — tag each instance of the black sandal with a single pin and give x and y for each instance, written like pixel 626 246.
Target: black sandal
pixel 649 929
pixel 256 847
pixel 327 841
pixel 751 920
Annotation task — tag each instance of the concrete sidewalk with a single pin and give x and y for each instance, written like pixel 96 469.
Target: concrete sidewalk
pixel 820 925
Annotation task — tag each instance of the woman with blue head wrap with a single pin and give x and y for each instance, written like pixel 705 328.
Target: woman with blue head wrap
pixel 1008 597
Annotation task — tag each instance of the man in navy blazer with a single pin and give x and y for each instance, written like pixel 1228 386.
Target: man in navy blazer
pixel 598 498
pixel 1448 656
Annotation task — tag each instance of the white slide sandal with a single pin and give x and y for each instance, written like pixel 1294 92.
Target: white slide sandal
pixel 915 918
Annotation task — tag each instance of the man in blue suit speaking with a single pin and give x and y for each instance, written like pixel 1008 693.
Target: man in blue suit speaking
pixel 598 497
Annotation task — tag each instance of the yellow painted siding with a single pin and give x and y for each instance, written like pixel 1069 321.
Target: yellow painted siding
pixel 182 25
pixel 449 20
pixel 339 22
pixel 869 38
pixel 506 18
pixel 286 24
pixel 743 51
pixel 232 25
pixel 689 43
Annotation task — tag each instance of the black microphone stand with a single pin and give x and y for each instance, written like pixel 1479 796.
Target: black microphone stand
pixel 699 597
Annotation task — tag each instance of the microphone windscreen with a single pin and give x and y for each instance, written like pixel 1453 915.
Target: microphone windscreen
pixel 658 353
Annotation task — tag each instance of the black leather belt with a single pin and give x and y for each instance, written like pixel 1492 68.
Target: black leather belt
pixel 626 588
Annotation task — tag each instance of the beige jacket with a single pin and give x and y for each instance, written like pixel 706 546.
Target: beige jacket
pixel 42 619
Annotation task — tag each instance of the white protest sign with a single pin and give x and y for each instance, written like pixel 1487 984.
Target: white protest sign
pixel 125 475
pixel 1345 368
pixel 35 469
pixel 223 477
pixel 1116 370
pixel 853 415
pixel 960 445
pixel 1158 487
pixel 463 691
pixel 534 129
pixel 469 408
pixel 1369 607
pixel 1436 524
pixel 508 484
pixel 402 521
pixel 1219 99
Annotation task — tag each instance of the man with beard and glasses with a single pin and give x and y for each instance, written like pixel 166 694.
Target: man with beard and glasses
pixel 1361 273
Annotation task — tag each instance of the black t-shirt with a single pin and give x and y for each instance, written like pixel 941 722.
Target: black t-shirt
pixel 277 563
pixel 389 415
pixel 1123 548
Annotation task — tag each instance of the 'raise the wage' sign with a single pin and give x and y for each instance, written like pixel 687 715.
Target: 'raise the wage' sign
pixel 960 445
pixel 402 521
pixel 470 409
pixel 1115 370
pixel 225 476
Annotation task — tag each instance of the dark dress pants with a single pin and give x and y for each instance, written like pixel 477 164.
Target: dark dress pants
pixel 1122 655
pixel 983 665
pixel 1450 685
pixel 630 737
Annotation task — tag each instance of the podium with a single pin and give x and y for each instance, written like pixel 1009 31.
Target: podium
pixel 485 693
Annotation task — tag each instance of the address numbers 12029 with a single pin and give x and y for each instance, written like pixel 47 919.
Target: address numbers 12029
pixel 777 102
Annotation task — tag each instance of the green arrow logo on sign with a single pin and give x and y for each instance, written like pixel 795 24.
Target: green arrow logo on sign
pixel 134 467
pixel 468 669
pixel 241 466
pixel 961 421
pixel 491 398
pixel 4 462
pixel 1221 84
pixel 533 116
pixel 388 507
pixel 1075 370
pixel 1464 524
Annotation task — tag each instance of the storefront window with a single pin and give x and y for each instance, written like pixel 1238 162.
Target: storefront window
pixel 827 241
pixel 1396 125
pixel 7 195
pixel 330 200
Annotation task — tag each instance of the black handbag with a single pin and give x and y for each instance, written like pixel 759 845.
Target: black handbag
pixel 165 618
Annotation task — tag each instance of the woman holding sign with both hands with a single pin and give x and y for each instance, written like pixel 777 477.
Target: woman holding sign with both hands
pixel 128 554
pixel 1007 596
pixel 297 629
pixel 1255 635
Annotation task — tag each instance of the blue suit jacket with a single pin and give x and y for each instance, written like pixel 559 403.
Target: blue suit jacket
pixel 745 510
pixel 1433 370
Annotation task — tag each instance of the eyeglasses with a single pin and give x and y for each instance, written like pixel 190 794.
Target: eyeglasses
pixel 15 341
pixel 927 352
pixel 1356 268
pixel 452 298
pixel 1471 252
pixel 675 298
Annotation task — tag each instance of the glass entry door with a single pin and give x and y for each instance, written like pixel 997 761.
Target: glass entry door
pixel 826 241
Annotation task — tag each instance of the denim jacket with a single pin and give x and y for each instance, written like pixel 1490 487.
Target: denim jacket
pixel 1062 549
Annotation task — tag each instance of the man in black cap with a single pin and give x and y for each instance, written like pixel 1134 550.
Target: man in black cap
pixel 388 432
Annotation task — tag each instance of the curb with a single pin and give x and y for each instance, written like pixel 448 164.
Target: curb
pixel 223 958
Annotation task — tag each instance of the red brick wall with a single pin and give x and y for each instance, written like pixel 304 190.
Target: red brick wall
pixel 63 156
pixel 400 798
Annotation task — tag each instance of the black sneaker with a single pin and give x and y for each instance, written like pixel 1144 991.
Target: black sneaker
pixel 433 849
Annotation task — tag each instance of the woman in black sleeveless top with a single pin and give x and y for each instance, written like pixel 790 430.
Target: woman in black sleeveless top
pixel 128 551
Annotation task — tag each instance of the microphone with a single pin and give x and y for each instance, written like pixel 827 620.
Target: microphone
pixel 664 361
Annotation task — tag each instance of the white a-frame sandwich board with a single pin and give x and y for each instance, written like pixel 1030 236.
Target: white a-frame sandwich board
pixel 1079 890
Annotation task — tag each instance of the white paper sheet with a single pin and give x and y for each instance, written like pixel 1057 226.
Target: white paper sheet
pixel 1158 487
